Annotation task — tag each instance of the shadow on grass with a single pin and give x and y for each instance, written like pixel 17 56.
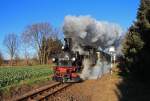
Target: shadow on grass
pixel 131 89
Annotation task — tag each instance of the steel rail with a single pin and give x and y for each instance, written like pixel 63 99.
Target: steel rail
pixel 43 92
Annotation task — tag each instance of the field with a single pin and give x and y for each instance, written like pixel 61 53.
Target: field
pixel 15 75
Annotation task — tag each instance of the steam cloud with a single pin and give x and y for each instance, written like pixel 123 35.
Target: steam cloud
pixel 85 30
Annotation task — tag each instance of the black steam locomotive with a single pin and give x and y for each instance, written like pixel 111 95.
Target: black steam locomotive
pixel 68 64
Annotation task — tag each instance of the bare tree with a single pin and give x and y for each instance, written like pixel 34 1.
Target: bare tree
pixel 25 50
pixel 50 45
pixel 11 43
pixel 17 59
pixel 1 59
pixel 34 35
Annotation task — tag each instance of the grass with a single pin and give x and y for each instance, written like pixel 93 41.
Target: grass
pixel 28 82
pixel 19 75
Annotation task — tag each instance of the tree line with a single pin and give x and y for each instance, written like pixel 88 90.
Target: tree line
pixel 42 37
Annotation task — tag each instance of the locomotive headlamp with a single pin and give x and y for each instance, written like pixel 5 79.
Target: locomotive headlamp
pixel 62 47
pixel 73 59
pixel 53 59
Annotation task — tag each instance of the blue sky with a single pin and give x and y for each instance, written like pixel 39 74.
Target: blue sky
pixel 15 15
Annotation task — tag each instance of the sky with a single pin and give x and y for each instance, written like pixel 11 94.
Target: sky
pixel 15 15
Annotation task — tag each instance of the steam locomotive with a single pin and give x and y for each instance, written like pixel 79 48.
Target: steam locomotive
pixel 68 64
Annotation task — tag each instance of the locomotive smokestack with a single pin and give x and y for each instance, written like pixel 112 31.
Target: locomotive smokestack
pixel 68 44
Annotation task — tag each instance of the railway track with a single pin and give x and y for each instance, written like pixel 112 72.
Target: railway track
pixel 43 93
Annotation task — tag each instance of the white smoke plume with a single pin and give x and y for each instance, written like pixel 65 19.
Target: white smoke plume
pixel 87 70
pixel 85 30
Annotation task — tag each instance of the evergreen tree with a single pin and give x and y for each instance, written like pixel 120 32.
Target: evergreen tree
pixel 136 46
pixel 132 45
pixel 143 23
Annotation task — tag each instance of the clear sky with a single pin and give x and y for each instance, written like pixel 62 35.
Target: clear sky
pixel 15 15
